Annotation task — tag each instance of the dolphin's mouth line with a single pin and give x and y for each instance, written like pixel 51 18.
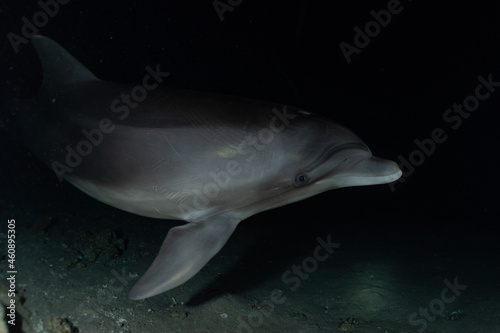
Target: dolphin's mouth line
pixel 346 163
pixel 335 149
pixel 345 152
pixel 366 168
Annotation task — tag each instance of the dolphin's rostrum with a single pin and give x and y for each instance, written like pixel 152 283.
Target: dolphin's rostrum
pixel 208 159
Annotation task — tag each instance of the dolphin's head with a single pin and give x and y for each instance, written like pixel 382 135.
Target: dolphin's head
pixel 330 156
pixel 319 155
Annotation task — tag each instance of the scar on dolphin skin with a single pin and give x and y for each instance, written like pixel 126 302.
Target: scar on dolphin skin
pixel 171 145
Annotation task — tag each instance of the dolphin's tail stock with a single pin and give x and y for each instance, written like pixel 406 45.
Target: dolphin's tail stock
pixel 34 121
pixel 60 68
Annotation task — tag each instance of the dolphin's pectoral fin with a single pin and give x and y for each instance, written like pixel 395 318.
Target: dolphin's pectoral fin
pixel 185 250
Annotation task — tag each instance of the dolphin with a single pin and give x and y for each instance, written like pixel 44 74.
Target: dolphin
pixel 208 159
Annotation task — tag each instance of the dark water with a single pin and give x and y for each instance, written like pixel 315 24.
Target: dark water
pixel 395 92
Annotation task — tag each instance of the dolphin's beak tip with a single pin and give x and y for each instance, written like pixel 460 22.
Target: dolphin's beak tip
pixel 396 175
pixel 388 169
pixel 394 171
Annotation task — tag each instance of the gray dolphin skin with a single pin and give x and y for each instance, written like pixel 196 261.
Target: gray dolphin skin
pixel 208 159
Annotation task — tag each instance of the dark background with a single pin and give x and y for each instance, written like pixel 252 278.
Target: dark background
pixel 395 91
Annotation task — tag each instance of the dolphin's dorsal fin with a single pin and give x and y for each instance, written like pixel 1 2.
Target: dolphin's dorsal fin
pixel 60 68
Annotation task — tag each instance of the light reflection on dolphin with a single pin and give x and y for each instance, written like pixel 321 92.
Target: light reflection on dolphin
pixel 207 159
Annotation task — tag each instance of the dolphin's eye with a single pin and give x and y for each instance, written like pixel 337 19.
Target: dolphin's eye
pixel 301 179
